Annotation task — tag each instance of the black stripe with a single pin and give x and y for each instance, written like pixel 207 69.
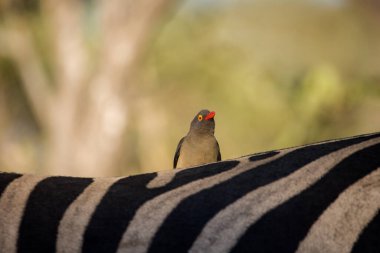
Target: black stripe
pixel 281 229
pixel 6 179
pixel 45 207
pixel 184 224
pixel 369 239
pixel 262 156
pixel 121 202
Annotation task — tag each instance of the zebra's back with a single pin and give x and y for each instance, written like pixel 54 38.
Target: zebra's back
pixel 323 197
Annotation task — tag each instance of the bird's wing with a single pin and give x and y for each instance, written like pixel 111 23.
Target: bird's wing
pixel 219 157
pixel 176 155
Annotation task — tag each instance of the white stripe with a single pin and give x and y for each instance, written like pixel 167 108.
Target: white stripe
pixel 163 178
pixel 151 215
pixel 338 228
pixel 12 205
pixel 223 231
pixel 76 218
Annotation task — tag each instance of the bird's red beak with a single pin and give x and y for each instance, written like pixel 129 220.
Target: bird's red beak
pixel 209 116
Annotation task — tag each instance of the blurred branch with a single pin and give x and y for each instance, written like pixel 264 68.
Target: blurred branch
pixel 18 44
pixel 65 19
pixel 125 27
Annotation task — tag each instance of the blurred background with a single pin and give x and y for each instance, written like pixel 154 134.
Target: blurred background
pixel 108 87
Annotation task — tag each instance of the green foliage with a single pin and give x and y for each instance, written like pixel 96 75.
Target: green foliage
pixel 277 74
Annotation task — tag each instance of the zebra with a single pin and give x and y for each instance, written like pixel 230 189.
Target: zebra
pixel 321 197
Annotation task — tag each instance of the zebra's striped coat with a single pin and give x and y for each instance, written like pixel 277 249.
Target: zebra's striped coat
pixel 323 197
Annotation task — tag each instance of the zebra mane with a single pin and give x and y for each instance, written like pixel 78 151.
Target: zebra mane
pixel 323 197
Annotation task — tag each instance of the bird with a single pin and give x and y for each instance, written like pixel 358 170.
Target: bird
pixel 199 146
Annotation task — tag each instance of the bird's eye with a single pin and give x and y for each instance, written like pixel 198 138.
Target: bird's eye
pixel 200 117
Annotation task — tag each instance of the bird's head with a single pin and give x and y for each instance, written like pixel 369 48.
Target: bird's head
pixel 203 122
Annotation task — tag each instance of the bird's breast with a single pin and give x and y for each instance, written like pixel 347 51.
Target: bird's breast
pixel 197 151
